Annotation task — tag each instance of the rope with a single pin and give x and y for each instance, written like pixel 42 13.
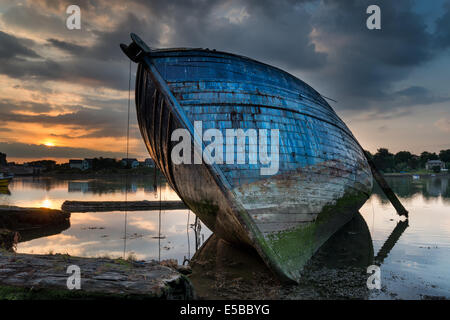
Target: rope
pixel 373 215
pixel 187 232
pixel 159 225
pixel 126 174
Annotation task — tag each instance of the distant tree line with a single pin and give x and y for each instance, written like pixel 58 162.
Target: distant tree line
pixel 95 164
pixel 405 160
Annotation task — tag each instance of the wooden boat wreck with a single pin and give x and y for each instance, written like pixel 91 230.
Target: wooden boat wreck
pixel 323 175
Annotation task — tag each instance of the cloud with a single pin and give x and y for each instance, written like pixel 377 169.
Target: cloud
pixel 324 42
pixel 442 39
pixel 365 65
pixel 22 150
pixel 16 62
pixel 97 122
pixel 274 32
pixel 12 47
pixel 417 95
pixel 443 124
pixel 68 47
pixel 262 33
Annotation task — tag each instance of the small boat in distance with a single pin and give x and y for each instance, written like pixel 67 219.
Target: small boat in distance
pixel 323 175
pixel 5 179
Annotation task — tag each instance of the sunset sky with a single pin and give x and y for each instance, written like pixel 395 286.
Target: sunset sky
pixel 63 93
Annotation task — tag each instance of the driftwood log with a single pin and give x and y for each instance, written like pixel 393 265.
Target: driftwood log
pixel 18 218
pixel 98 206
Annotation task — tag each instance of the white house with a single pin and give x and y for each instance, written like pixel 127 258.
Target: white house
pixel 434 163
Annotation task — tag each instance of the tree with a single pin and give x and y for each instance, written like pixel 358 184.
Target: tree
pixel 425 156
pixel 402 156
pixel 444 155
pixel 384 160
pixel 414 162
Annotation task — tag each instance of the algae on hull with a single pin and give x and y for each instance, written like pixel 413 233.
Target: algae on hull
pixel 290 250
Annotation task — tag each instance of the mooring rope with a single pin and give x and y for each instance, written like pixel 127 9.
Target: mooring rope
pixel 159 225
pixel 373 215
pixel 187 232
pixel 126 174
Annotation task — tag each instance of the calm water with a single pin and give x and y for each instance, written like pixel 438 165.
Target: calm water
pixel 96 234
pixel 417 265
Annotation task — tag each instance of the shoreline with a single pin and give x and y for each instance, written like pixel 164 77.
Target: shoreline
pixel 422 175
pixel 35 276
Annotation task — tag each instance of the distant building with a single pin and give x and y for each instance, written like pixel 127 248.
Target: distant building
pixel 434 163
pixel 130 162
pixel 149 163
pixel 87 164
pixel 42 164
pixel 76 164
pixel 3 159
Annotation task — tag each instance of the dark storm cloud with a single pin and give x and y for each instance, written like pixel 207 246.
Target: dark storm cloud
pixel 22 150
pixel 272 31
pixel 360 69
pixel 107 45
pixel 443 29
pixel 7 106
pixel 366 64
pixel 105 122
pixel 45 20
pixel 417 95
pixel 83 69
pixel 11 47
pixel 67 46
pixel 263 34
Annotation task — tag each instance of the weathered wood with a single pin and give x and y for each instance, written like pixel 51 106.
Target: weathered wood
pixel 98 206
pixel 45 276
pixel 386 189
pixel 18 218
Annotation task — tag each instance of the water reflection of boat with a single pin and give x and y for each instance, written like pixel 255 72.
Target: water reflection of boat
pixel 220 270
pixel 323 174
pixel 5 179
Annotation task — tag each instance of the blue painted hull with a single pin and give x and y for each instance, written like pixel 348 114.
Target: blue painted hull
pixel 323 175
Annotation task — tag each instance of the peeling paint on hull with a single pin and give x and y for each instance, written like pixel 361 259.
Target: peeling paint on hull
pixel 323 175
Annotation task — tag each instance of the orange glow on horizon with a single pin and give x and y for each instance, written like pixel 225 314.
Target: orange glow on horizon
pixel 46 203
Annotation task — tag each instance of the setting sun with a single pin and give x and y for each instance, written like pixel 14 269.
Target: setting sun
pixel 46 203
pixel 49 144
